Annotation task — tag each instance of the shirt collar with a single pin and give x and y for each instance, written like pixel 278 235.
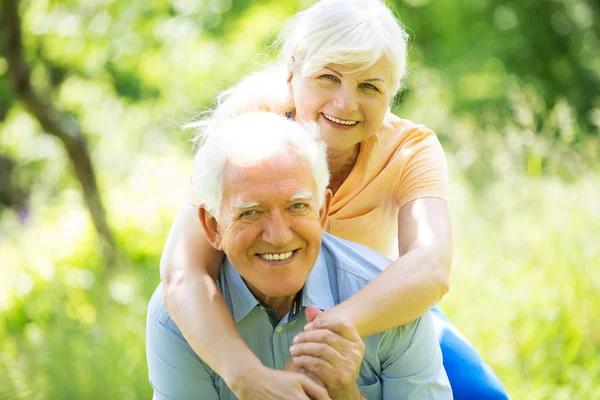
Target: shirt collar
pixel 316 291
pixel 242 299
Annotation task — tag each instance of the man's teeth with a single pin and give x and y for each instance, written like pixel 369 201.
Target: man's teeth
pixel 276 256
pixel 339 121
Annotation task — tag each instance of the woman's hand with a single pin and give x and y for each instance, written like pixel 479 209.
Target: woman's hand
pixel 332 350
pixel 268 384
pixel 291 367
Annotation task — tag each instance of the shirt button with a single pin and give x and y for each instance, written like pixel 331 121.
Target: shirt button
pixel 279 329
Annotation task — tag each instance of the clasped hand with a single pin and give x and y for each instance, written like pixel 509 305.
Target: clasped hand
pixel 324 364
pixel 330 351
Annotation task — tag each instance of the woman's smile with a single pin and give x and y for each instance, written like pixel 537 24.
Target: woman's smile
pixel 339 121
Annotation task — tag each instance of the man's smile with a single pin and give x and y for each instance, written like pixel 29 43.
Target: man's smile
pixel 280 256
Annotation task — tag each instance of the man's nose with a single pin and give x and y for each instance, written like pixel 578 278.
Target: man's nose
pixel 346 98
pixel 276 230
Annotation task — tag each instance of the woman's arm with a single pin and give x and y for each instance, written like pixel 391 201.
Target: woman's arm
pixel 188 268
pixel 414 282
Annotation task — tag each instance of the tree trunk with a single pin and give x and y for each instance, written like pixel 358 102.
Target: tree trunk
pixel 54 122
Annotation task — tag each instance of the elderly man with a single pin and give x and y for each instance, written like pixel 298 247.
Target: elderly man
pixel 262 182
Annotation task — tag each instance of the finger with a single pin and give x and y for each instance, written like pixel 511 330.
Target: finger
pixel 323 336
pixel 342 327
pixel 317 344
pixel 325 371
pixel 315 378
pixel 313 390
pixel 311 313
pixel 291 367
pixel 319 350
pixel 321 316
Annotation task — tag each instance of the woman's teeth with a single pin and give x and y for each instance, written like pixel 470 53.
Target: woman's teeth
pixel 276 256
pixel 339 121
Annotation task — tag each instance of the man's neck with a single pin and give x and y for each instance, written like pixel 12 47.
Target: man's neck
pixel 280 304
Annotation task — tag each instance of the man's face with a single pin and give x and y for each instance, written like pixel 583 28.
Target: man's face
pixel 271 226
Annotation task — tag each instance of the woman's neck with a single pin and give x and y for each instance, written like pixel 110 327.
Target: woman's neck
pixel 341 163
pixel 339 160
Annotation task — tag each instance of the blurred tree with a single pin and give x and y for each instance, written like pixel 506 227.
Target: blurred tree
pixel 54 121
pixel 11 195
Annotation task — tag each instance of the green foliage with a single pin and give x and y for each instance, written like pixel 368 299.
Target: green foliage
pixel 525 283
pixel 511 88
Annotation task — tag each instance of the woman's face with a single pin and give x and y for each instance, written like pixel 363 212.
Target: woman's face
pixel 349 107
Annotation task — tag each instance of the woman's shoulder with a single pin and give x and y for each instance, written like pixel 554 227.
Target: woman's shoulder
pixel 396 130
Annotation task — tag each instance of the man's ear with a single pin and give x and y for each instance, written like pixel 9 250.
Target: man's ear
pixel 211 228
pixel 324 212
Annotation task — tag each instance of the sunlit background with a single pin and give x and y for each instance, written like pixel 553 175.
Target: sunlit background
pixel 511 87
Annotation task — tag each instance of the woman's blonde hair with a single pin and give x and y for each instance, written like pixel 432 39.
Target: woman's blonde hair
pixel 347 32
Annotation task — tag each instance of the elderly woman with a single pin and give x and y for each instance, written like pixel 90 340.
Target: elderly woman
pixel 343 62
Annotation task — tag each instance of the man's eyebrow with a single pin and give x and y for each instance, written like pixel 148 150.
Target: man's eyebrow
pixel 301 196
pixel 374 79
pixel 245 204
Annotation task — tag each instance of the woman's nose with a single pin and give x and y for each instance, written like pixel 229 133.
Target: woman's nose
pixel 345 99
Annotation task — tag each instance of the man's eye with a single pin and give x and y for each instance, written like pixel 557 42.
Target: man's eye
pixel 248 213
pixel 299 206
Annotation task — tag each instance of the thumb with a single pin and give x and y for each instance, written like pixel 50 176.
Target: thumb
pixel 311 313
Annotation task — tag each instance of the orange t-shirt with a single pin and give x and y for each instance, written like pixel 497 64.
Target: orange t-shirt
pixel 402 162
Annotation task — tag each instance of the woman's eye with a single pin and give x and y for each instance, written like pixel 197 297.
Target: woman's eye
pixel 370 86
pixel 330 77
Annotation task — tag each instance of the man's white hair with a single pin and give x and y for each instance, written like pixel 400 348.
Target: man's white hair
pixel 346 32
pixel 248 139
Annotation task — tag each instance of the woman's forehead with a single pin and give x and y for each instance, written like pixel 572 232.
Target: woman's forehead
pixel 380 70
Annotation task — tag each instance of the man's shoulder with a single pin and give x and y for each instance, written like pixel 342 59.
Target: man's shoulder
pixel 158 311
pixel 353 258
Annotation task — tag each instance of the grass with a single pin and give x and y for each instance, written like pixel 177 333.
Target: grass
pixel 526 284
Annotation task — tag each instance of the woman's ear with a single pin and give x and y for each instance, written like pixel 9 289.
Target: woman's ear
pixel 211 228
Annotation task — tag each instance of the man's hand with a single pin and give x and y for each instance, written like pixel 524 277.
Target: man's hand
pixel 291 367
pixel 331 349
pixel 270 384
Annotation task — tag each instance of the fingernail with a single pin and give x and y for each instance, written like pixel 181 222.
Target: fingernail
pixel 296 340
pixel 308 327
pixel 293 348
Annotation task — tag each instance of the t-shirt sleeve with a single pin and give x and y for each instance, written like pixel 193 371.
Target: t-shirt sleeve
pixel 425 170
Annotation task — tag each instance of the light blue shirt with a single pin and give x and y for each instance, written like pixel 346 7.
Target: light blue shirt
pixel 402 363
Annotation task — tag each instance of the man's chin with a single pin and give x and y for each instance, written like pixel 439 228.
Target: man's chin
pixel 280 289
pixel 283 289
